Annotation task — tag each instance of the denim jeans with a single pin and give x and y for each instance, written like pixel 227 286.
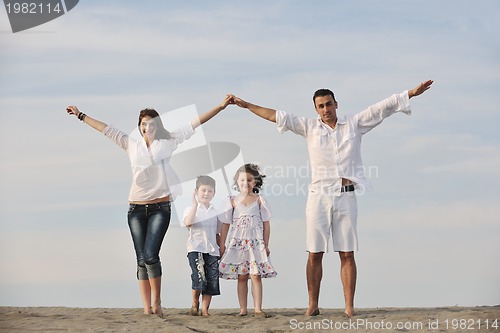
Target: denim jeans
pixel 148 225
pixel 204 273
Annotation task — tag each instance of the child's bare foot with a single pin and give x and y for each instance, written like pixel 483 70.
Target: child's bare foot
pixel 148 311
pixel 243 313
pixel 194 310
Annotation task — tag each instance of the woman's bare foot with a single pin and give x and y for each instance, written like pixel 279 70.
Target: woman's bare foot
pixel 261 314
pixel 157 310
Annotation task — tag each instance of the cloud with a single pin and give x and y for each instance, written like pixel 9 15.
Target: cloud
pixel 454 154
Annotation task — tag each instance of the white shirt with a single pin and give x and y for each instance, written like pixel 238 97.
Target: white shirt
pixel 202 234
pixel 336 153
pixel 152 175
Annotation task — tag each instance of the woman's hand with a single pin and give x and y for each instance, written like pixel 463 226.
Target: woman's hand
pixel 227 100
pixel 73 110
pixel 98 125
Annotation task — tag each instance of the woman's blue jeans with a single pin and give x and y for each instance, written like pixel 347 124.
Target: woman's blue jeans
pixel 148 225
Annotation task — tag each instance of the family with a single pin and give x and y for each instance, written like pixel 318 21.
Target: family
pixel 234 243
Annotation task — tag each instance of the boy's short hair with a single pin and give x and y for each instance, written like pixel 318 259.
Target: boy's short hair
pixel 205 180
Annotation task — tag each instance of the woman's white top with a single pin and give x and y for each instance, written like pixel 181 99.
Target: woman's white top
pixel 152 175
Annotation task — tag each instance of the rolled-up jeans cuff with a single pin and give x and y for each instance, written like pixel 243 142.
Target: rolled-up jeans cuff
pixel 154 270
pixel 142 273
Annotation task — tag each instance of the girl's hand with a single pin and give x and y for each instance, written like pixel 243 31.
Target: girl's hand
pixel 73 110
pixel 268 252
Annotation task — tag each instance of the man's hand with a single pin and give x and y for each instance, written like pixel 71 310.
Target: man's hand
pixel 418 90
pixel 238 101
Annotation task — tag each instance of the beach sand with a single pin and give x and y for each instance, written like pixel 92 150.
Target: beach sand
pixel 62 319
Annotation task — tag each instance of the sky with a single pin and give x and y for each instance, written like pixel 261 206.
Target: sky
pixel 428 231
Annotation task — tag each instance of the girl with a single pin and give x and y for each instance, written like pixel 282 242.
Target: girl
pixel 154 185
pixel 247 253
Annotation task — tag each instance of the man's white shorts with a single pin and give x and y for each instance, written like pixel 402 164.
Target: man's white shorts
pixel 335 215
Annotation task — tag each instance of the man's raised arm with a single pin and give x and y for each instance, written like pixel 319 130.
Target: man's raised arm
pixel 266 113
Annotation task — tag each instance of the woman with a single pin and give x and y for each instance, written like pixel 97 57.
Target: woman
pixel 154 186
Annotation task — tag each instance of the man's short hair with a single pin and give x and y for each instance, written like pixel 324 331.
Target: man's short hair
pixel 205 180
pixel 321 93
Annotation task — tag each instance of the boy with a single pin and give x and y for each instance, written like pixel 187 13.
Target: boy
pixel 203 245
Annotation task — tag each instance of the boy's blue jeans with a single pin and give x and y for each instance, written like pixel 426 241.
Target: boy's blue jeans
pixel 204 273
pixel 148 225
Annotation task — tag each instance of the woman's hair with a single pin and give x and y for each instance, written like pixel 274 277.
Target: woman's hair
pixel 161 132
pixel 252 169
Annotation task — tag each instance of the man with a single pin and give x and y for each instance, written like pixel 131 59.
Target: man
pixel 336 170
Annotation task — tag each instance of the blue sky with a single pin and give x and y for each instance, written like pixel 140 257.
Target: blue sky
pixel 429 229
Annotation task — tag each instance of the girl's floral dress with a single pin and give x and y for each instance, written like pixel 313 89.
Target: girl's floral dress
pixel 245 249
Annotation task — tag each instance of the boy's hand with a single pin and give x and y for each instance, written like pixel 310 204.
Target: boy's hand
pixel 195 202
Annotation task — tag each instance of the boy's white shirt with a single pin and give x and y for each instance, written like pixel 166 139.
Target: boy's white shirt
pixel 203 232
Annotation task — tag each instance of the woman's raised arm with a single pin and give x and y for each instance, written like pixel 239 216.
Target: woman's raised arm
pixel 210 114
pixel 94 123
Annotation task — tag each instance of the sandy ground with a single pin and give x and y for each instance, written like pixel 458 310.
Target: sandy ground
pixel 60 319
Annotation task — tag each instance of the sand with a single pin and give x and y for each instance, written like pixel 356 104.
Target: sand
pixel 61 319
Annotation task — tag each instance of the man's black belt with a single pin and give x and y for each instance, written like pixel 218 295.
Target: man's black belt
pixel 347 188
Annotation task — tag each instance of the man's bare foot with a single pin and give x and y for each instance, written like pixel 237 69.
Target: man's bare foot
pixel 348 313
pixel 312 313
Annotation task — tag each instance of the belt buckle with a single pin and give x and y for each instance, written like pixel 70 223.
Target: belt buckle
pixel 347 188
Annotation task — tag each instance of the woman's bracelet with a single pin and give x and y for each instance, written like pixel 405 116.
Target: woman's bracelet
pixel 81 116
